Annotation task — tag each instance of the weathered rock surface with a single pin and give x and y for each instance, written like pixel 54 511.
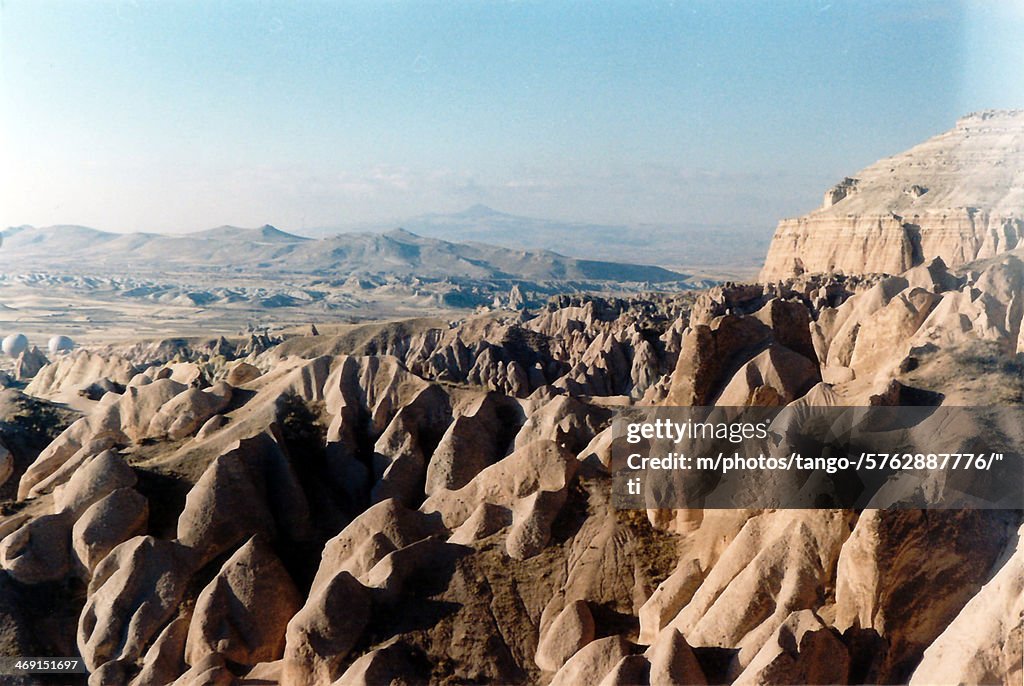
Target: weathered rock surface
pixel 110 521
pixel 250 489
pixel 212 670
pixel 801 651
pixel 381 529
pixel 532 517
pixel 29 363
pixel 78 369
pixel 632 669
pixel 122 421
pixel 133 591
pixel 672 661
pixel 324 630
pixel 389 665
pixel 165 659
pixel 6 464
pixel 242 373
pixel 485 520
pixel 592 663
pixel 743 353
pixel 473 441
pixel 40 550
pixel 184 414
pixel 957 196
pixel 892 557
pixel 734 608
pixel 541 465
pixel 96 478
pixel 671 596
pixel 572 629
pixel 984 643
pixel 242 614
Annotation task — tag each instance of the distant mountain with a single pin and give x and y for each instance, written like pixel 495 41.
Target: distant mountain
pixel 68 237
pixel 264 234
pixel 396 253
pixel 662 244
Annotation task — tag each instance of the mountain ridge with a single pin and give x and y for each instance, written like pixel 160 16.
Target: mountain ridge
pixel 396 252
pixel 686 246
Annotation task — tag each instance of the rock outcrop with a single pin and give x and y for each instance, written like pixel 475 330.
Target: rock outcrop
pixel 135 589
pixel 572 629
pixel 958 196
pixel 984 644
pixel 241 615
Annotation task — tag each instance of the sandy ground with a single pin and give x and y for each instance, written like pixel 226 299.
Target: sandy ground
pixel 102 317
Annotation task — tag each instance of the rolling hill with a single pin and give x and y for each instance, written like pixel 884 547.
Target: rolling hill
pixel 398 253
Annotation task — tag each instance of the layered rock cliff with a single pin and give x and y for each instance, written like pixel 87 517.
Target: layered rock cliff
pixel 958 196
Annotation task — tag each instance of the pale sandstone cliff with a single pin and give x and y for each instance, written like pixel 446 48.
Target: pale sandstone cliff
pixel 958 196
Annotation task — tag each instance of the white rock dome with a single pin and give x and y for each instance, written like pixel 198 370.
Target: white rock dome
pixel 15 344
pixel 60 344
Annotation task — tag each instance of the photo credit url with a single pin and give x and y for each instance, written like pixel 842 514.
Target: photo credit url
pixel 811 457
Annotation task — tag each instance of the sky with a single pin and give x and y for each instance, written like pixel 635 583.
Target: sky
pixel 180 115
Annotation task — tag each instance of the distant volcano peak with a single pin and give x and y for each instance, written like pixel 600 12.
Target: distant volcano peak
pixel 265 233
pixel 479 210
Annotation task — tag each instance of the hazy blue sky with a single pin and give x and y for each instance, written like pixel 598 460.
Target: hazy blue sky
pixel 183 115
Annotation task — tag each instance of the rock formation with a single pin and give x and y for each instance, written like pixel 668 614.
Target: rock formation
pixel 958 196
